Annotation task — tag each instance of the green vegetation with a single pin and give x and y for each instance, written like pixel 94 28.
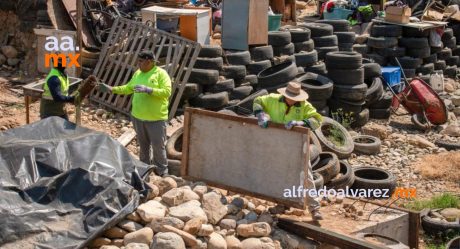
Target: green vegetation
pixel 445 200
pixel 344 118
pixel 335 134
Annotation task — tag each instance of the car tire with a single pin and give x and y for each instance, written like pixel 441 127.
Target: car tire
pixel 342 152
pixel 345 178
pixel 327 166
pixel 366 145
pixel 317 86
pixel 275 75
pixel 374 178
pixel 261 53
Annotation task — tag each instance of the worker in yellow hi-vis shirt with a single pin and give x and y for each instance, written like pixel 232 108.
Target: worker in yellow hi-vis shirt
pixel 291 108
pixel 151 89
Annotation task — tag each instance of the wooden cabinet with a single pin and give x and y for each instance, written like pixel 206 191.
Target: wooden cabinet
pixel 244 23
pixel 194 23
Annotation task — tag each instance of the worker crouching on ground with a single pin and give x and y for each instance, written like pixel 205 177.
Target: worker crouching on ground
pixel 151 88
pixel 290 108
pixel 56 93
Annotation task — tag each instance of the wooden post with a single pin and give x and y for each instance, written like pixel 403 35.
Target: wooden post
pixel 79 33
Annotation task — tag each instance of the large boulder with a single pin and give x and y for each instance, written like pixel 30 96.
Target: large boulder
pixel 144 235
pixel 167 240
pixel 258 229
pixel 150 210
pixel 213 207
pixel 189 210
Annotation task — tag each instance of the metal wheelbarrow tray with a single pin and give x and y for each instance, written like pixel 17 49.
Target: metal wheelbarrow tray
pixel 419 98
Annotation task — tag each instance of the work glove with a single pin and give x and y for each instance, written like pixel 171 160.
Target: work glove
pixel 293 123
pixel 143 89
pixel 312 123
pixel 262 119
pixel 104 88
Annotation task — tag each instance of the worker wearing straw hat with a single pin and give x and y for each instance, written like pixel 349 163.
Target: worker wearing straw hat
pixel 291 108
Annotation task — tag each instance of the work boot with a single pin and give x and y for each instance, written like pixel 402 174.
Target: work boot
pixel 316 215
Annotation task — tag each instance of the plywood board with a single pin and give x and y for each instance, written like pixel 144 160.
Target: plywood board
pixel 258 22
pixel 235 21
pixel 235 153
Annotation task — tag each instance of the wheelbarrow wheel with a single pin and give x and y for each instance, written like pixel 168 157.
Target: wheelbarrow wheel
pixel 420 122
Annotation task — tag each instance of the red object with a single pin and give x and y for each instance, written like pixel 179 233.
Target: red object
pixel 419 98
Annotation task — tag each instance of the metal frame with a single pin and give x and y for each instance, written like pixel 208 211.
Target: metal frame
pixel 189 112
pixel 117 61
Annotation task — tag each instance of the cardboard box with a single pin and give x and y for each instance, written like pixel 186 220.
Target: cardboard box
pixel 397 14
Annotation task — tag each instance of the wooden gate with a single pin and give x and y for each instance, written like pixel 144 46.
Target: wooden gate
pixel 117 61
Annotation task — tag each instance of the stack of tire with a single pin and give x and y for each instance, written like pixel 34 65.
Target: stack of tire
pixel 324 39
pixel 281 43
pixel 345 37
pixel 236 70
pixel 383 43
pixel 319 89
pixel 219 79
pixel 205 88
pixel 305 55
pixel 451 60
pixel 346 70
pixel 418 50
pixel 377 101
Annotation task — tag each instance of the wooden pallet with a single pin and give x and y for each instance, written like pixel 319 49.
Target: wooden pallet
pixel 118 59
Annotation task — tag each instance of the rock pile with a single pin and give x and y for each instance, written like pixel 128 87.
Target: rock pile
pixel 181 214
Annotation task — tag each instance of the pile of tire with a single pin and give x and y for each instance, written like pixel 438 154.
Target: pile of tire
pixel 324 39
pixel 413 50
pixel 345 37
pixel 383 43
pixel 378 101
pixel 219 78
pixel 281 41
pixel 346 70
pixel 419 58
pixel 305 56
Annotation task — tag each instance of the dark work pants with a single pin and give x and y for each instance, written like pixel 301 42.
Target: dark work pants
pixel 152 134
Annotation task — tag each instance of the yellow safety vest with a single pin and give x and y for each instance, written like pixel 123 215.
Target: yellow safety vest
pixel 64 84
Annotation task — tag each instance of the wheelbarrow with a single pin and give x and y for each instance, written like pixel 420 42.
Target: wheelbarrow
pixel 421 101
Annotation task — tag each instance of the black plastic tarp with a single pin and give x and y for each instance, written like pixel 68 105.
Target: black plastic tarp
pixel 61 185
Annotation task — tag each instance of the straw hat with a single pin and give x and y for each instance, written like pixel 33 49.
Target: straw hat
pixel 293 91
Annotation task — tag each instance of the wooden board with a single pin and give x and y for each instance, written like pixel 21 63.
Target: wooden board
pixel 258 22
pixel 420 25
pixel 233 152
pixel 127 137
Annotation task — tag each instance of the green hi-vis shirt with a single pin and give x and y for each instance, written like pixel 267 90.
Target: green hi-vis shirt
pixel 148 107
pixel 274 105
